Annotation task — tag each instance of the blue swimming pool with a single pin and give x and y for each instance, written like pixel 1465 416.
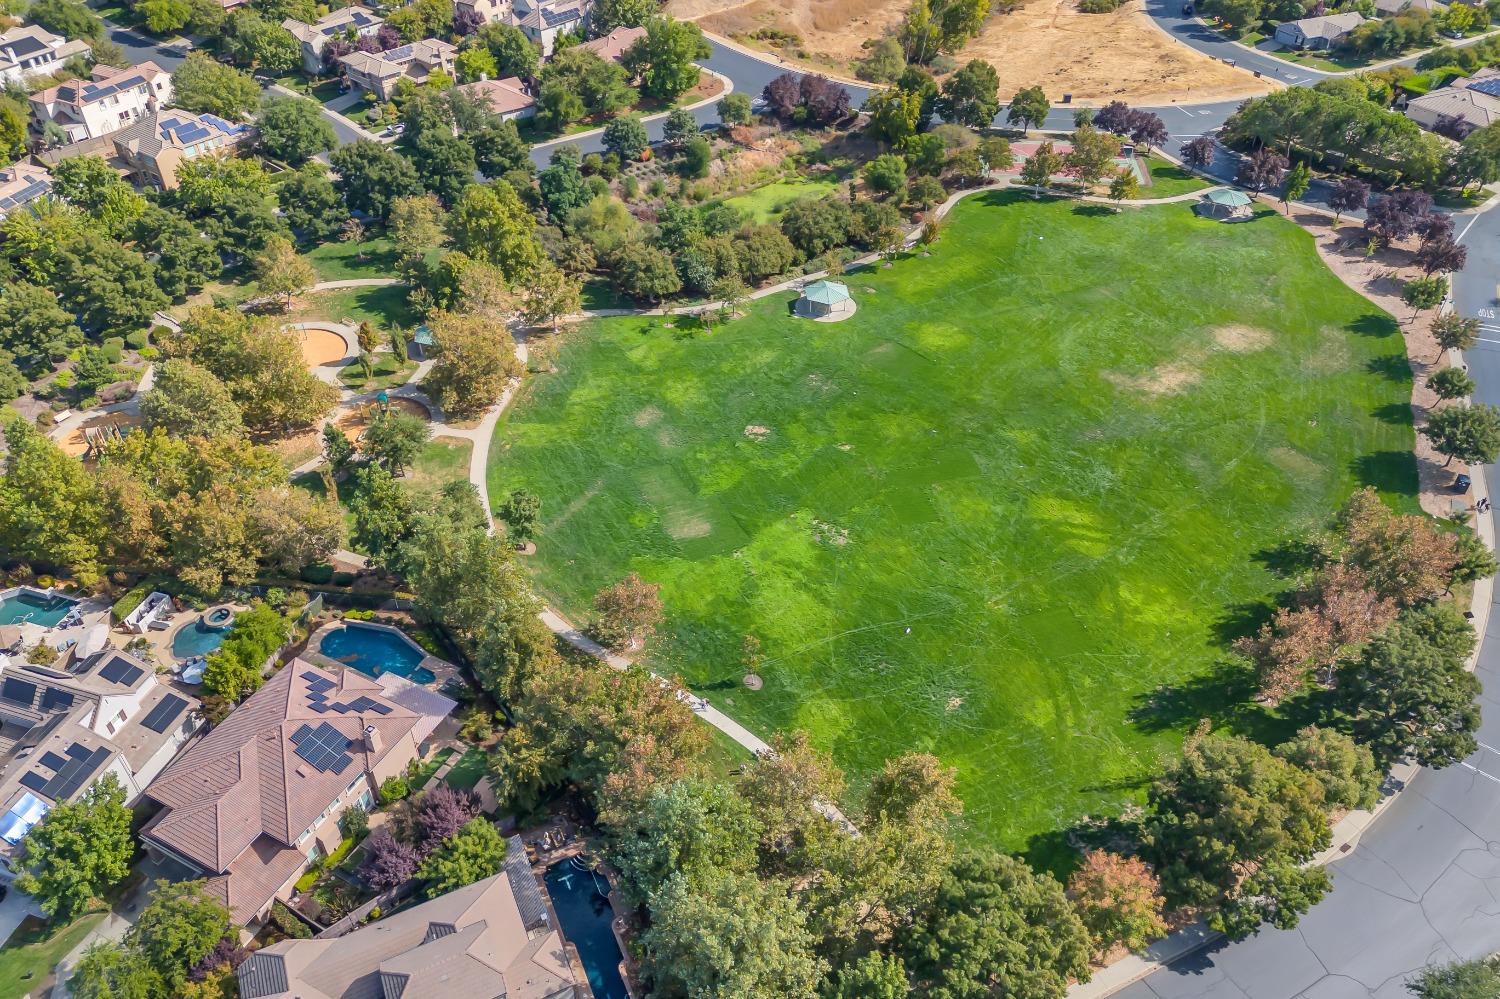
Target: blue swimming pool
pixel 197 639
pixel 376 652
pixel 29 607
pixel 584 912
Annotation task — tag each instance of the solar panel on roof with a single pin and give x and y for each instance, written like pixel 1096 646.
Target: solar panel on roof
pixel 73 776
pixel 33 781
pixel 382 708
pixel 1490 87
pixel 301 735
pixel 116 670
pixel 53 762
pixel 320 708
pixel 54 699
pixel 78 751
pixel 343 763
pixel 165 713
pixel 18 691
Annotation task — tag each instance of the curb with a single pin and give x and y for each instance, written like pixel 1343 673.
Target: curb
pixel 576 136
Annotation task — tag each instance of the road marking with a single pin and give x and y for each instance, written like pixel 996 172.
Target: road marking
pixel 1481 773
pixel 1466 229
pixel 1485 745
pixel 1480 339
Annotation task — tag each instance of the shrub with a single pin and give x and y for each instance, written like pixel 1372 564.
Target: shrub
pixel 287 921
pixel 1098 6
pixel 114 349
pixel 136 339
pixel 130 601
pixel 318 575
pixel 394 789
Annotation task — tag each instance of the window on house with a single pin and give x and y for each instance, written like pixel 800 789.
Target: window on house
pixel 110 728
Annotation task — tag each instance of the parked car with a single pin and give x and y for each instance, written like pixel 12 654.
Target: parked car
pixel 1187 10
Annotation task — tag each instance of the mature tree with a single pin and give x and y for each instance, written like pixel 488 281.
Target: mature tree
pixel 1398 215
pixel 728 933
pixel 393 440
pixel 389 863
pixel 69 18
pixel 735 109
pixel 610 14
pixel 292 129
pixel 50 510
pixel 626 613
pixel 1478 158
pixel 384 513
pixel 111 289
pixel 204 84
pixel 294 528
pixel 1261 169
pixel 445 162
pixel 1040 167
pixel 1441 254
pixel 281 271
pixel 475 852
pixel 1346 769
pixel 934 26
pixel 1199 152
pixel 996 928
pixel 893 114
pixel 371 176
pixel 188 401
pixel 490 224
pixel 625 136
pixel 549 294
pixel 885 174
pixel 1147 130
pixel 78 851
pixel 1451 383
pixel 109 970
pixel 788 790
pixel 422 19
pixel 972 95
pixel 185 260
pixel 664 59
pixel 514 53
pixel 1468 432
pixel 563 188
pixel 679 128
pixel 1092 154
pixel 577 83
pixel 1477 979
pixel 473 359
pixel 499 149
pixel 645 272
pixel 1028 108
pixel 1229 808
pixel 250 39
pixel 762 251
pixel 1409 694
pixel 693 827
pixel 1350 194
pixel 32 323
pixel 1119 900
pixel 816 225
pixel 179 926
pixel 441 813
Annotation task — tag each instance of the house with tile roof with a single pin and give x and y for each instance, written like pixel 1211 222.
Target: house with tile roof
pixel 107 102
pixel 1318 33
pixel 155 146
pixel 21 184
pixel 509 98
pixel 614 45
pixel 259 798
pixel 488 11
pixel 30 50
pixel 543 20
pixel 490 939
pixel 377 73
pixel 62 727
pixel 346 22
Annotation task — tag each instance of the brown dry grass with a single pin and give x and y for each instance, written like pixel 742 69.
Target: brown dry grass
pixel 1094 57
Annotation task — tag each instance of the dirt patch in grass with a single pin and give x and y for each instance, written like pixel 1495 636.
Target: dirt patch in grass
pixel 1169 379
pixel 647 416
pixel 1241 339
pixel 831 30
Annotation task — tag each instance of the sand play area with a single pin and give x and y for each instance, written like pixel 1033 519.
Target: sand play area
pixel 76 443
pixel 1094 57
pixel 321 345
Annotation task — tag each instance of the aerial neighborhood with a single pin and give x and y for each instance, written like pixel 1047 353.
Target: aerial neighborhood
pixel 608 499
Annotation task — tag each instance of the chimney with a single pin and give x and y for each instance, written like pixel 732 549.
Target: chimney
pixel 372 739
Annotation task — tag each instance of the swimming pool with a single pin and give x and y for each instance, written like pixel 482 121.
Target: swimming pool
pixel 585 915
pixel 197 639
pixel 24 606
pixel 376 652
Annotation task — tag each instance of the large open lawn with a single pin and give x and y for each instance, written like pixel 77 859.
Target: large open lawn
pixel 1037 476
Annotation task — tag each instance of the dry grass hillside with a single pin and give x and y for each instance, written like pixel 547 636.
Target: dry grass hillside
pixel 1094 57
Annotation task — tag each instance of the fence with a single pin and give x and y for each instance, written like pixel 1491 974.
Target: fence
pixel 384 901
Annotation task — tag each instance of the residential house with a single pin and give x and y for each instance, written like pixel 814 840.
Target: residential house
pixel 614 45
pixel 543 20
pixel 378 73
pixel 346 22
pixel 1318 33
pixel 31 49
pixel 1456 110
pixel 21 184
pixel 1390 8
pixel 488 11
pixel 111 100
pixel 257 800
pixel 509 98
pixel 488 939
pixel 64 727
pixel 157 145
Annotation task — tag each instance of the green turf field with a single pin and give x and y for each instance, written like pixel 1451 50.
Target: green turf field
pixel 1036 476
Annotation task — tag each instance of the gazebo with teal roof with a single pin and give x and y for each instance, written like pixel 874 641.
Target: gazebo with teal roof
pixel 1225 204
pixel 824 300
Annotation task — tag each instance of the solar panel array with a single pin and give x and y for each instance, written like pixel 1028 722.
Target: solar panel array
pixel 325 747
pixel 317 698
pixel 1490 87
pixel 56 699
pixel 18 692
pixel 99 91
pixel 119 670
pixel 398 54
pixel 25 196
pixel 224 125
pixel 161 717
pixel 68 775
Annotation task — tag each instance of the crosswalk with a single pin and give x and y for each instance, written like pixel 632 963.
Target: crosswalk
pixel 1484 748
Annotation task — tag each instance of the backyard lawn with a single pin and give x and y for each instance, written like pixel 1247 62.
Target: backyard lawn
pixel 1034 479
pixel 467 771
pixel 34 949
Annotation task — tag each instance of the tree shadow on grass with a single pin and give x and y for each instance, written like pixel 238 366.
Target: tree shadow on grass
pixel 1091 210
pixel 1290 558
pixel 1373 325
pixel 1391 367
pixel 1394 413
pixel 1391 472
pixel 1223 696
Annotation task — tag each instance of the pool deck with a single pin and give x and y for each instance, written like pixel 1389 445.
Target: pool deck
pixel 441 669
pixel 94 612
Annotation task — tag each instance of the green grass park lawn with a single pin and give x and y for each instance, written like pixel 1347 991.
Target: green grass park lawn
pixel 1169 180
pixel 444 459
pixel 340 261
pixel 467 771
pixel 383 305
pixel 765 203
pixel 1012 512
pixel 389 372
pixel 34 949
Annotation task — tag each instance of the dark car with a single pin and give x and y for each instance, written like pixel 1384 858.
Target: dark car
pixel 1187 10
